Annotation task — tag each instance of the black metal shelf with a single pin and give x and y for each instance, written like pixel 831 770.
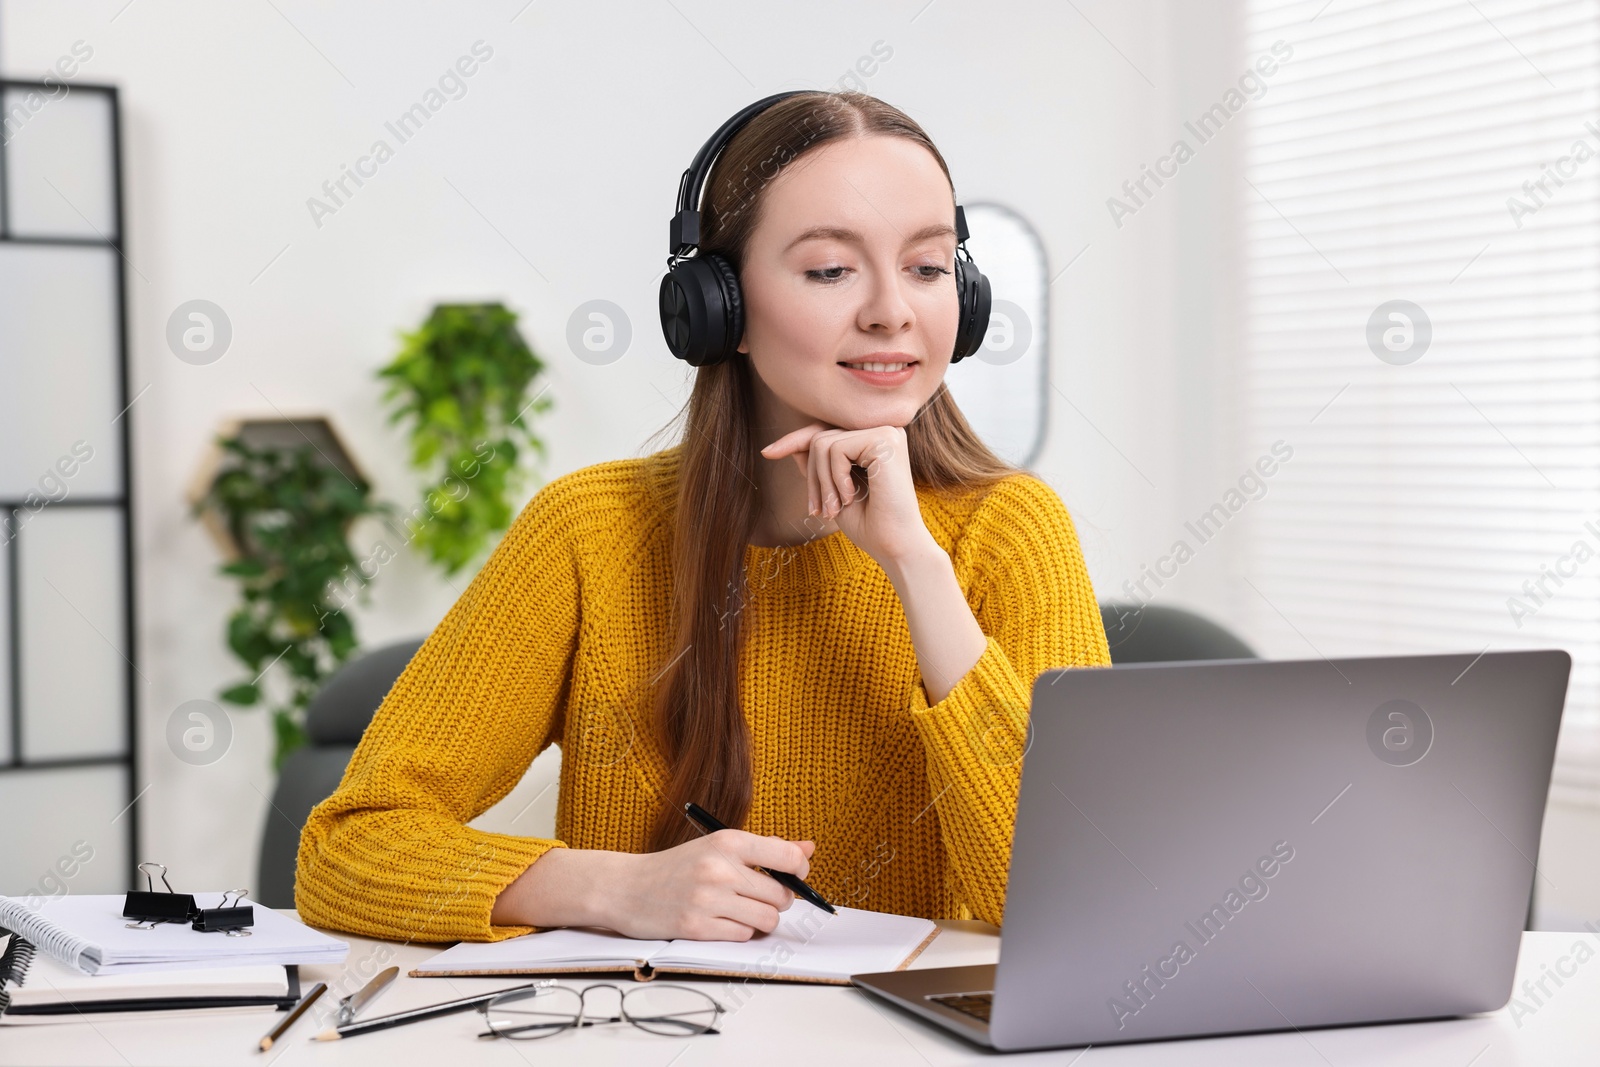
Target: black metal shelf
pixel 122 502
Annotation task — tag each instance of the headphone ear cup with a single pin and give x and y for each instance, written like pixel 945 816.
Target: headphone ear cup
pixel 702 310
pixel 732 309
pixel 974 299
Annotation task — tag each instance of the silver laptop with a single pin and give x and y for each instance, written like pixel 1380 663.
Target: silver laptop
pixel 1242 845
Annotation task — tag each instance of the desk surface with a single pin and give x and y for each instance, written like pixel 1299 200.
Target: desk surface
pixel 815 1026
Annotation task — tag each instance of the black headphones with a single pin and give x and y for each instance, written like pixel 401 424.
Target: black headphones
pixel 702 310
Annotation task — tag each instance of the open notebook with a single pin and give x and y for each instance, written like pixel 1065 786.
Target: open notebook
pixel 808 945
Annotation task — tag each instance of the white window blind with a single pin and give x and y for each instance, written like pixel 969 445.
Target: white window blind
pixel 1387 161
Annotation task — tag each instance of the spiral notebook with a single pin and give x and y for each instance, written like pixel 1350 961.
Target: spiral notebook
pixel 808 945
pixel 88 933
pixel 37 988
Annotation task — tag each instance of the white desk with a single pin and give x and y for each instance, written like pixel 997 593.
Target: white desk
pixel 808 1026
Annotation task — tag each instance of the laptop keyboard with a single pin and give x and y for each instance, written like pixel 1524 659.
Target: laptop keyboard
pixel 974 1004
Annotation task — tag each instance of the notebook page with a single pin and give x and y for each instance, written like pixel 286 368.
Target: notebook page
pixel 570 946
pixel 819 945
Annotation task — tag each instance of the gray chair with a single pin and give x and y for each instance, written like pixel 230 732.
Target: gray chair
pixel 335 720
pixel 1152 633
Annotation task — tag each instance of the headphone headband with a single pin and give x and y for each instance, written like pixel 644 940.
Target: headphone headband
pixel 686 222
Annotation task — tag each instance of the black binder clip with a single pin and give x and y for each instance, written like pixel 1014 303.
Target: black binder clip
pixel 228 919
pixel 150 907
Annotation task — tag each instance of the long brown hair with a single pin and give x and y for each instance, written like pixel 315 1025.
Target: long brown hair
pixel 697 715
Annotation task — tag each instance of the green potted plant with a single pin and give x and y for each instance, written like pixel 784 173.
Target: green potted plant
pixel 461 380
pixel 283 513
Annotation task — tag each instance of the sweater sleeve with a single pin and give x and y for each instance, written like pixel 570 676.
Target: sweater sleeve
pixel 1031 595
pixel 389 854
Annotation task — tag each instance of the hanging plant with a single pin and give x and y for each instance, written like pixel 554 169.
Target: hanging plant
pixel 287 513
pixel 462 380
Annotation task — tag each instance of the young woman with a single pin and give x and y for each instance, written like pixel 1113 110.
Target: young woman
pixel 841 666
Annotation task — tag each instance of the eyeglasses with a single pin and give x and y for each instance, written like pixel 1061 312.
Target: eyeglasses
pixel 659 1008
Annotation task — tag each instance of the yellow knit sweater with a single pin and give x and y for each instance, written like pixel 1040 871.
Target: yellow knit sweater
pixel 555 642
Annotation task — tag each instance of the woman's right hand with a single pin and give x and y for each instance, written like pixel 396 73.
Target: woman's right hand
pixel 706 889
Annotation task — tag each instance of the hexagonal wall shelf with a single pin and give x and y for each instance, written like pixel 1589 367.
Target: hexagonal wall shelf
pixel 317 430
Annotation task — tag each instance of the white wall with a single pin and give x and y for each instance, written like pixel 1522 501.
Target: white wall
pixel 568 145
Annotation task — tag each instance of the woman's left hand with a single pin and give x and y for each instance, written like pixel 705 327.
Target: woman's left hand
pixel 884 521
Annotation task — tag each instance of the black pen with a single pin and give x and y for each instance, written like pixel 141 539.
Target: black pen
pixel 449 1007
pixel 709 823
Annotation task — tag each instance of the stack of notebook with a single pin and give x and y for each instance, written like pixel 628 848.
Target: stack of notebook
pixel 76 954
